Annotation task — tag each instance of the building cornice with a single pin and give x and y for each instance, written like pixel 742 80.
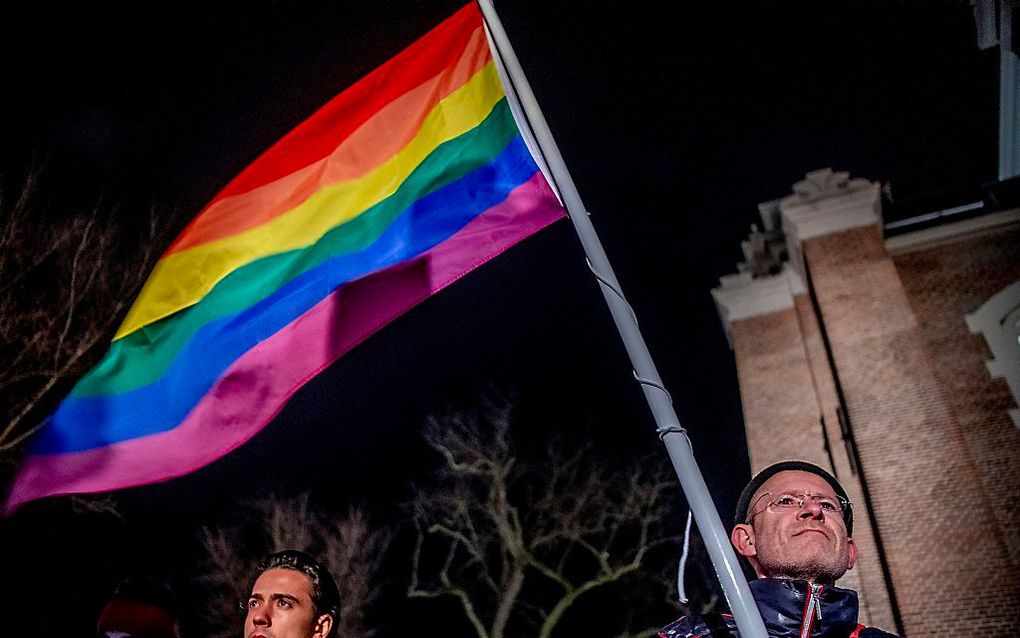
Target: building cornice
pixel 741 296
pixel 952 232
pixel 861 207
pixel 826 202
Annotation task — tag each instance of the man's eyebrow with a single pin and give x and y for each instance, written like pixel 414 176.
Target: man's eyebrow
pixel 254 595
pixel 284 597
pixel 831 497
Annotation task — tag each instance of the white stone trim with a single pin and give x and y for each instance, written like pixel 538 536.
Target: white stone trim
pixel 990 320
pixel 740 296
pixel 839 204
pixel 861 207
pixel 955 231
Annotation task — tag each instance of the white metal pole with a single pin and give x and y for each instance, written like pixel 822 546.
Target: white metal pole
pixel 677 443
pixel 1009 87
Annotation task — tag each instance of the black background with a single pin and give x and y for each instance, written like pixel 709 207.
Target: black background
pixel 674 120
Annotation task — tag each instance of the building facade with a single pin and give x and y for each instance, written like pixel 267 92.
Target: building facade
pixel 895 363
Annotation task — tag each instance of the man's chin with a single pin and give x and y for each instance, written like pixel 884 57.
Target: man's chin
pixel 813 571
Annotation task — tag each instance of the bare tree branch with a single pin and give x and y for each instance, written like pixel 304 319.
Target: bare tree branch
pixel 66 279
pixel 564 520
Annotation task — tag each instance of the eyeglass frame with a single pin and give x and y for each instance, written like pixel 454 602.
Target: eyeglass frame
pixel 844 504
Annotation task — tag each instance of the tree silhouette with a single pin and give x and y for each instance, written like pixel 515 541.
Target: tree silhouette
pixel 518 546
pixel 66 280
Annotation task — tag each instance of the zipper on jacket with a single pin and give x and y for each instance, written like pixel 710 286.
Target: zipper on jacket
pixel 812 610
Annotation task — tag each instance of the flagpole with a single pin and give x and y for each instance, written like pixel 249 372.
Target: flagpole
pixel 673 435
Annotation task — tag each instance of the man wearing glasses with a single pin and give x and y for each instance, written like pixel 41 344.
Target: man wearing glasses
pixel 794 526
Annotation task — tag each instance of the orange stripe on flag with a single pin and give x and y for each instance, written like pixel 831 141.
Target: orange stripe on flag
pixel 378 139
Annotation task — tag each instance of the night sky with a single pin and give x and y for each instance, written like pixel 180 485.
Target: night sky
pixel 675 121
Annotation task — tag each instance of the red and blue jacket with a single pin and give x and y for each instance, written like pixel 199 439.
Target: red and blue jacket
pixel 790 609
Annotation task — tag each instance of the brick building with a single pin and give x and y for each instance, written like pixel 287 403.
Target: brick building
pixel 894 361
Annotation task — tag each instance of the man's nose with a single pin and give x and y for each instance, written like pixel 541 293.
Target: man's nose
pixel 811 509
pixel 260 617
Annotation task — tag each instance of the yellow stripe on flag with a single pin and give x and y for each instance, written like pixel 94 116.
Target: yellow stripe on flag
pixel 181 279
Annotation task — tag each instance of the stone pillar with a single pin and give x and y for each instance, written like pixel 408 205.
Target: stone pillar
pixel 940 540
pixel 866 578
pixel 781 410
pixel 789 402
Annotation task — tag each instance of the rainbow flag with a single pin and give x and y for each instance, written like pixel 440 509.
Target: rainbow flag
pixel 397 187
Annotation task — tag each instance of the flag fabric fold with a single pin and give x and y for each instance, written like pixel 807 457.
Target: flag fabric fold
pixel 397 187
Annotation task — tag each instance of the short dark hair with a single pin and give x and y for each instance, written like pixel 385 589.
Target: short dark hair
pixel 744 502
pixel 325 594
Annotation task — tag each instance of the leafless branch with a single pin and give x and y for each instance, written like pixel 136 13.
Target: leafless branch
pixel 564 519
pixel 66 279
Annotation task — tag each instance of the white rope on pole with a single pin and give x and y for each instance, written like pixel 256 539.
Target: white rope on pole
pixel 681 591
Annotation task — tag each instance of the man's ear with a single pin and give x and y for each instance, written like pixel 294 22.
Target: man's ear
pixel 851 547
pixel 322 626
pixel 742 538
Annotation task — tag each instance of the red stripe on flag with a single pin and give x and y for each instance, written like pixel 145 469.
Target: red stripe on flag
pixel 317 136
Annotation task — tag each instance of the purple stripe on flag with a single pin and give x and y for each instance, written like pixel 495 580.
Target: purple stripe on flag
pixel 256 387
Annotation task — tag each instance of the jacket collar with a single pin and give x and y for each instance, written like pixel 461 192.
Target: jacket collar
pixel 784 604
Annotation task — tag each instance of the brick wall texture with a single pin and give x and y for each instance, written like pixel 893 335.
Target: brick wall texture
pixel 943 284
pixel 788 398
pixel 937 449
pixel 917 463
pixel 866 578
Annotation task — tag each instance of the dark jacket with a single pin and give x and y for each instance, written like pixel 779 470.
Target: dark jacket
pixel 788 609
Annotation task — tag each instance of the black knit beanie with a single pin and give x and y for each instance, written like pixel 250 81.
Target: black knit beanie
pixel 801 466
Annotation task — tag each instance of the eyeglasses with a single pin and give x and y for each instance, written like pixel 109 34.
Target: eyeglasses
pixel 790 502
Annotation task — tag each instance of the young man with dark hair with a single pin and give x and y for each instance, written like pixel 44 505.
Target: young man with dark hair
pixel 292 596
pixel 794 526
